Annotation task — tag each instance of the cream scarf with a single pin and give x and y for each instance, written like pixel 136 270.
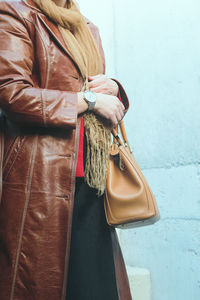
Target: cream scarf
pixel 83 49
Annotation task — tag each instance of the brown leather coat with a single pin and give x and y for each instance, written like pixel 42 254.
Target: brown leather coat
pixel 39 82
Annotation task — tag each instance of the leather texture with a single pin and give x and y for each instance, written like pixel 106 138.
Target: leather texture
pixel 129 201
pixel 1 149
pixel 39 82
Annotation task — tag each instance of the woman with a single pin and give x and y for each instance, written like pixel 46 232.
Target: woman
pixel 50 57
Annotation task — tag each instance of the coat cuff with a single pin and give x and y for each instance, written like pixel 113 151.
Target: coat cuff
pixel 63 111
pixel 122 95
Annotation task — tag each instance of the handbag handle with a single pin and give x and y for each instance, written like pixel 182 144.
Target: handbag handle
pixel 123 134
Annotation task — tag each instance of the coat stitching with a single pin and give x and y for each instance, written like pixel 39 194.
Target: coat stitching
pixel 7 153
pixel 71 211
pixel 47 77
pixel 11 151
pixel 31 168
pixel 43 102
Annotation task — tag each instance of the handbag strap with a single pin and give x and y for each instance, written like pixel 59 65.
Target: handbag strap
pixel 123 134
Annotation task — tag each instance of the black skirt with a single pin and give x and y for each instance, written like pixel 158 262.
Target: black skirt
pixel 91 267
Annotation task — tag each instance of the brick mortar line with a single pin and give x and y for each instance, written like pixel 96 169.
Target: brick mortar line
pixel 196 164
pixel 180 218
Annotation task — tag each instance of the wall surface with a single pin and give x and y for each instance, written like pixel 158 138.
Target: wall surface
pixel 153 48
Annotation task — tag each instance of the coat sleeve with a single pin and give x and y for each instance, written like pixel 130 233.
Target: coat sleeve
pixel 20 100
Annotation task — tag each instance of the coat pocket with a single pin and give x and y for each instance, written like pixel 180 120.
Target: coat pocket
pixel 11 155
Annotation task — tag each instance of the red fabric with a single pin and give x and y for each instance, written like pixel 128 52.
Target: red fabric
pixel 80 165
pixel 119 96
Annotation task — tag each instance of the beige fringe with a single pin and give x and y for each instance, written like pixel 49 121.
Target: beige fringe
pixel 98 144
pixel 83 48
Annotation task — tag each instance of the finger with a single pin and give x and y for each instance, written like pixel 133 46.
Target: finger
pixel 100 87
pixel 121 119
pixel 97 90
pixel 119 116
pixel 121 105
pixel 96 76
pixel 114 122
pixel 122 116
pixel 91 79
pixel 102 90
pixel 120 110
pixel 95 83
pixel 98 80
pixel 113 118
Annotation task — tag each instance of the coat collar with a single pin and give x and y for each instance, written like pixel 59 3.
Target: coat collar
pixel 51 27
pixel 32 4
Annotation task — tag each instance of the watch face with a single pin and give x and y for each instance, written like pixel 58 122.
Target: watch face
pixel 90 96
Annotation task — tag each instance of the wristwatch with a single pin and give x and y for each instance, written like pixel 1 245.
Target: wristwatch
pixel 91 98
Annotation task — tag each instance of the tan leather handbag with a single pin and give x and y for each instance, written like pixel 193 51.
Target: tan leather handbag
pixel 129 201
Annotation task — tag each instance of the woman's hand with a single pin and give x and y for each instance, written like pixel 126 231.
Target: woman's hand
pixel 110 108
pixel 104 85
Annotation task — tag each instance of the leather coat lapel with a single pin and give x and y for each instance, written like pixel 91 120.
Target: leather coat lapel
pixel 55 32
pixel 51 28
